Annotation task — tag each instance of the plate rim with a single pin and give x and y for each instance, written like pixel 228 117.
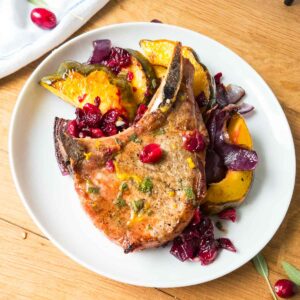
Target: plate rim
pixel 115 277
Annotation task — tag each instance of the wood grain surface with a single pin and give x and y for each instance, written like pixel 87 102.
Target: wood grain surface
pixel 267 35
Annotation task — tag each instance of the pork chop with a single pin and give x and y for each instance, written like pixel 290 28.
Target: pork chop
pixel 142 205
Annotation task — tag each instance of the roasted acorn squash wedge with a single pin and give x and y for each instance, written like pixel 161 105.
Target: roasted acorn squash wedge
pixel 79 84
pixel 159 53
pixel 160 71
pixel 232 190
pixel 141 76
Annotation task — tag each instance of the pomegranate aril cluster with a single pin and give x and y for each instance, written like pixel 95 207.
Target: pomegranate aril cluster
pixel 117 59
pixel 90 122
pixel 197 242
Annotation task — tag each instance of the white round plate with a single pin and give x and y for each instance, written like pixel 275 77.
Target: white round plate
pixel 53 204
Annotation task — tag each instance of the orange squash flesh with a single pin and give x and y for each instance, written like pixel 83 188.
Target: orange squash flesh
pixel 232 190
pixel 159 52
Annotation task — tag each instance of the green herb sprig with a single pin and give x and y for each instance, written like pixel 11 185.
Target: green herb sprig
pixel 262 268
pixel 292 272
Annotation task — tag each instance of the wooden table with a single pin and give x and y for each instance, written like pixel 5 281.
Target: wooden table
pixel 264 33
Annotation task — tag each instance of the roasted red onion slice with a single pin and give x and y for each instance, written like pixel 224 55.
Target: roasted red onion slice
pixel 215 168
pixel 234 93
pixel 235 157
pixel 245 108
pixel 101 51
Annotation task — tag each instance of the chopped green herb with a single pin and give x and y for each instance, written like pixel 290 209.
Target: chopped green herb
pixel 159 131
pixel 153 83
pixel 138 205
pixel 134 138
pixel 149 227
pixel 150 213
pixel 93 190
pixel 190 195
pixel 146 186
pixel 120 202
pixel 123 187
pixel 119 142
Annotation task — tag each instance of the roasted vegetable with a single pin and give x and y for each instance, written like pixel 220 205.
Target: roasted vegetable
pixel 160 71
pixel 232 190
pixel 79 84
pixel 159 53
pixel 141 76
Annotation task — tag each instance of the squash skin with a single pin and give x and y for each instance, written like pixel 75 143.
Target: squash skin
pixel 159 53
pixel 144 82
pixel 79 84
pixel 232 190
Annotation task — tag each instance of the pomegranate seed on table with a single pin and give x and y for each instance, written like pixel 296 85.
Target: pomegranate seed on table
pixel 285 288
pixel 43 18
pixel 193 141
pixel 151 154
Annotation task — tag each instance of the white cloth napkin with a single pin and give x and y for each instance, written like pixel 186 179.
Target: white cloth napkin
pixel 21 41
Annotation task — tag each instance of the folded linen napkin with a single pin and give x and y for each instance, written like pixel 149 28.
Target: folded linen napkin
pixel 21 41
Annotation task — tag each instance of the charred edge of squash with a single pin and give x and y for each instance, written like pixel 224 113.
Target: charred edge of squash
pixel 173 79
pixel 85 69
pixel 208 75
pixel 69 66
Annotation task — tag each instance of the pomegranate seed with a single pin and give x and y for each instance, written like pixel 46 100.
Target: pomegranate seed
pixel 228 214
pixel 193 142
pixel 147 93
pixel 140 112
pixel 130 76
pixel 197 217
pixel 118 58
pixel 81 98
pixel 225 243
pixel 110 165
pixel 89 116
pixel 208 250
pixel 285 288
pixel 43 18
pixel 150 154
pixel 72 128
pixel 96 133
pixel 108 122
pixel 97 101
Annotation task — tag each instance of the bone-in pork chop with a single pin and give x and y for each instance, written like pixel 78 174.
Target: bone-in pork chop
pixel 142 205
